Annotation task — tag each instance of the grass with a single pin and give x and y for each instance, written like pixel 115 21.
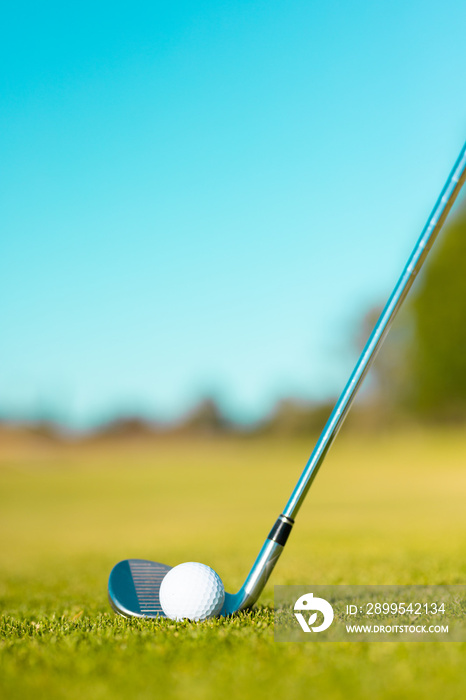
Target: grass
pixel 385 510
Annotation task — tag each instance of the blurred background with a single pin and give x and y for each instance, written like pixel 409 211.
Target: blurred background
pixel 204 205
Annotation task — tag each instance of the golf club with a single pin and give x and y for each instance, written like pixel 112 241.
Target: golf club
pixel 134 584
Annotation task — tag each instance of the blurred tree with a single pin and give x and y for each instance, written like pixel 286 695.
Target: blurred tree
pixel 422 365
pixel 296 417
pixel 388 383
pixel 206 418
pixel 437 357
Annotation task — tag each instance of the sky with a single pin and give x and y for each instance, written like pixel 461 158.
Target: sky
pixel 203 198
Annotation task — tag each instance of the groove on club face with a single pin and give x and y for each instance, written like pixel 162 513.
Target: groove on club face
pixel 133 588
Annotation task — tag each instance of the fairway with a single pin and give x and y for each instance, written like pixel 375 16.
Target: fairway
pixel 385 509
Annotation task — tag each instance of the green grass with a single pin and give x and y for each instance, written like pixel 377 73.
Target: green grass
pixel 385 510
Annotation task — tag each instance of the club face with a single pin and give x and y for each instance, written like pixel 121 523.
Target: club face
pixel 133 588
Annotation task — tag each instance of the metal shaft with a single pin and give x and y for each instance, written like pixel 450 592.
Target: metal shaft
pixel 274 544
pixel 434 224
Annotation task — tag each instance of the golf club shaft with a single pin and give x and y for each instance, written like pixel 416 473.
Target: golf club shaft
pixel 434 224
pixel 274 544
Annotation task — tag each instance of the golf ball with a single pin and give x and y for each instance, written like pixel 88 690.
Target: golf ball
pixel 192 591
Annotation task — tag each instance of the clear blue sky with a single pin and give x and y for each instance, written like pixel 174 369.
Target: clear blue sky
pixel 203 197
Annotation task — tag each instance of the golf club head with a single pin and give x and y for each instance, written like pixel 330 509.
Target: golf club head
pixel 134 585
pixel 133 588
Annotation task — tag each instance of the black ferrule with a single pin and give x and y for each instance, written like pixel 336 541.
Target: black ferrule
pixel 280 531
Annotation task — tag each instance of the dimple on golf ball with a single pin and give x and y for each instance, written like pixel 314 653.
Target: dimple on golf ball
pixel 191 591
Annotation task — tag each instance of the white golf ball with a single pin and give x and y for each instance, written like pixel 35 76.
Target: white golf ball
pixel 192 591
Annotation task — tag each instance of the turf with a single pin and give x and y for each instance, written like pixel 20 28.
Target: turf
pixel 384 510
